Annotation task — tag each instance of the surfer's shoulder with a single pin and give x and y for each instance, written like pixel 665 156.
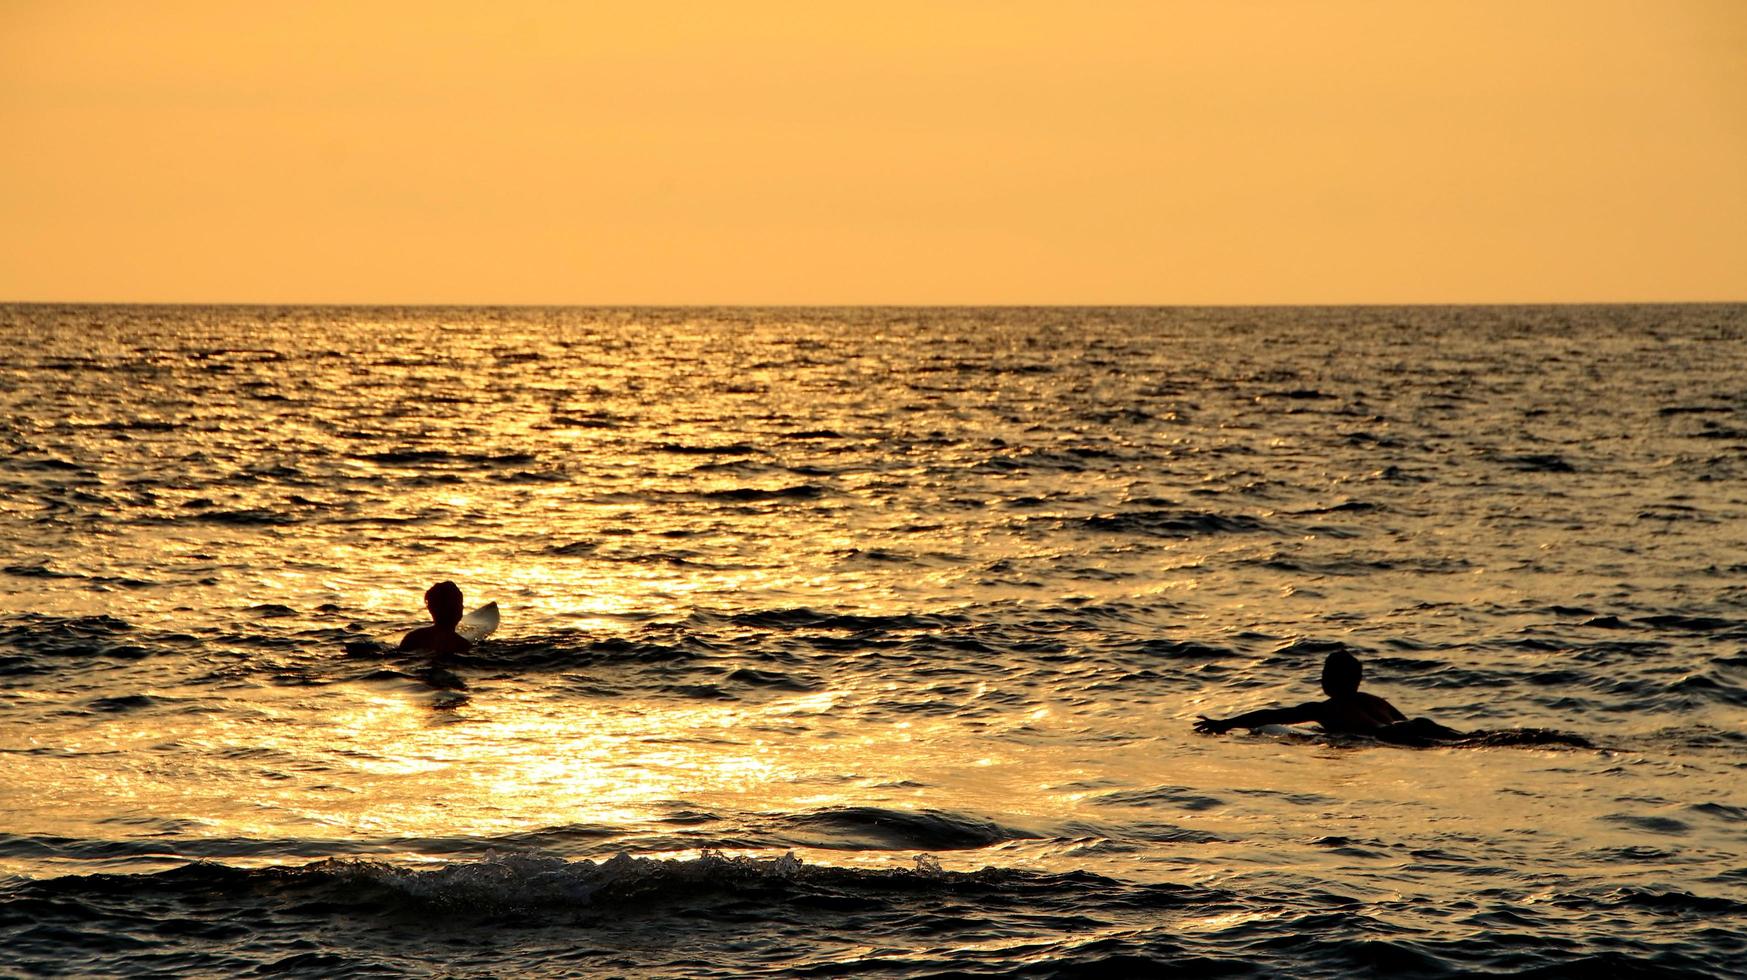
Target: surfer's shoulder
pixel 434 640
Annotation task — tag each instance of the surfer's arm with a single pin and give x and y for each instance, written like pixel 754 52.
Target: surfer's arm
pixel 1296 715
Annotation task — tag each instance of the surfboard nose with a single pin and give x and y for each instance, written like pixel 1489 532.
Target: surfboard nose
pixel 478 624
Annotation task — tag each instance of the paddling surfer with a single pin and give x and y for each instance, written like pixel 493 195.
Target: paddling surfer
pixel 1346 712
pixel 444 602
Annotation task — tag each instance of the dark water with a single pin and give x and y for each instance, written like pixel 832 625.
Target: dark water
pixel 849 642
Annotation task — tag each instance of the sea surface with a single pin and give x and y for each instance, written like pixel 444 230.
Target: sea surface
pixel 868 642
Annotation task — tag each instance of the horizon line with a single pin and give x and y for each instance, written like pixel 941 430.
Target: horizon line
pixel 380 304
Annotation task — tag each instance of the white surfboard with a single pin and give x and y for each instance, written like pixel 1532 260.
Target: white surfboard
pixel 478 624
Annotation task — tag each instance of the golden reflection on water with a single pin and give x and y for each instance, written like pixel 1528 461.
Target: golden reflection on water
pixel 372 761
pixel 378 764
pixel 1089 768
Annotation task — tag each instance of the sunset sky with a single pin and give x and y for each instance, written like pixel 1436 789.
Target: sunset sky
pixel 893 152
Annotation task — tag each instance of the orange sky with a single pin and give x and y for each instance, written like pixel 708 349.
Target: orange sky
pixel 1228 151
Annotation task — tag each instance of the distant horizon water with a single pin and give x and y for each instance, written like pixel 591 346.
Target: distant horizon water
pixel 386 304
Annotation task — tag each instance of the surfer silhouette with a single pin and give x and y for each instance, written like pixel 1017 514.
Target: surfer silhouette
pixel 444 602
pixel 1346 712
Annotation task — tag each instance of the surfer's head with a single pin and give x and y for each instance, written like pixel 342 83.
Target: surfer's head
pixel 444 602
pixel 1340 674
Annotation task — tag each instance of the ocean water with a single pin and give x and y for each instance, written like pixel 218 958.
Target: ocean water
pixel 854 642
